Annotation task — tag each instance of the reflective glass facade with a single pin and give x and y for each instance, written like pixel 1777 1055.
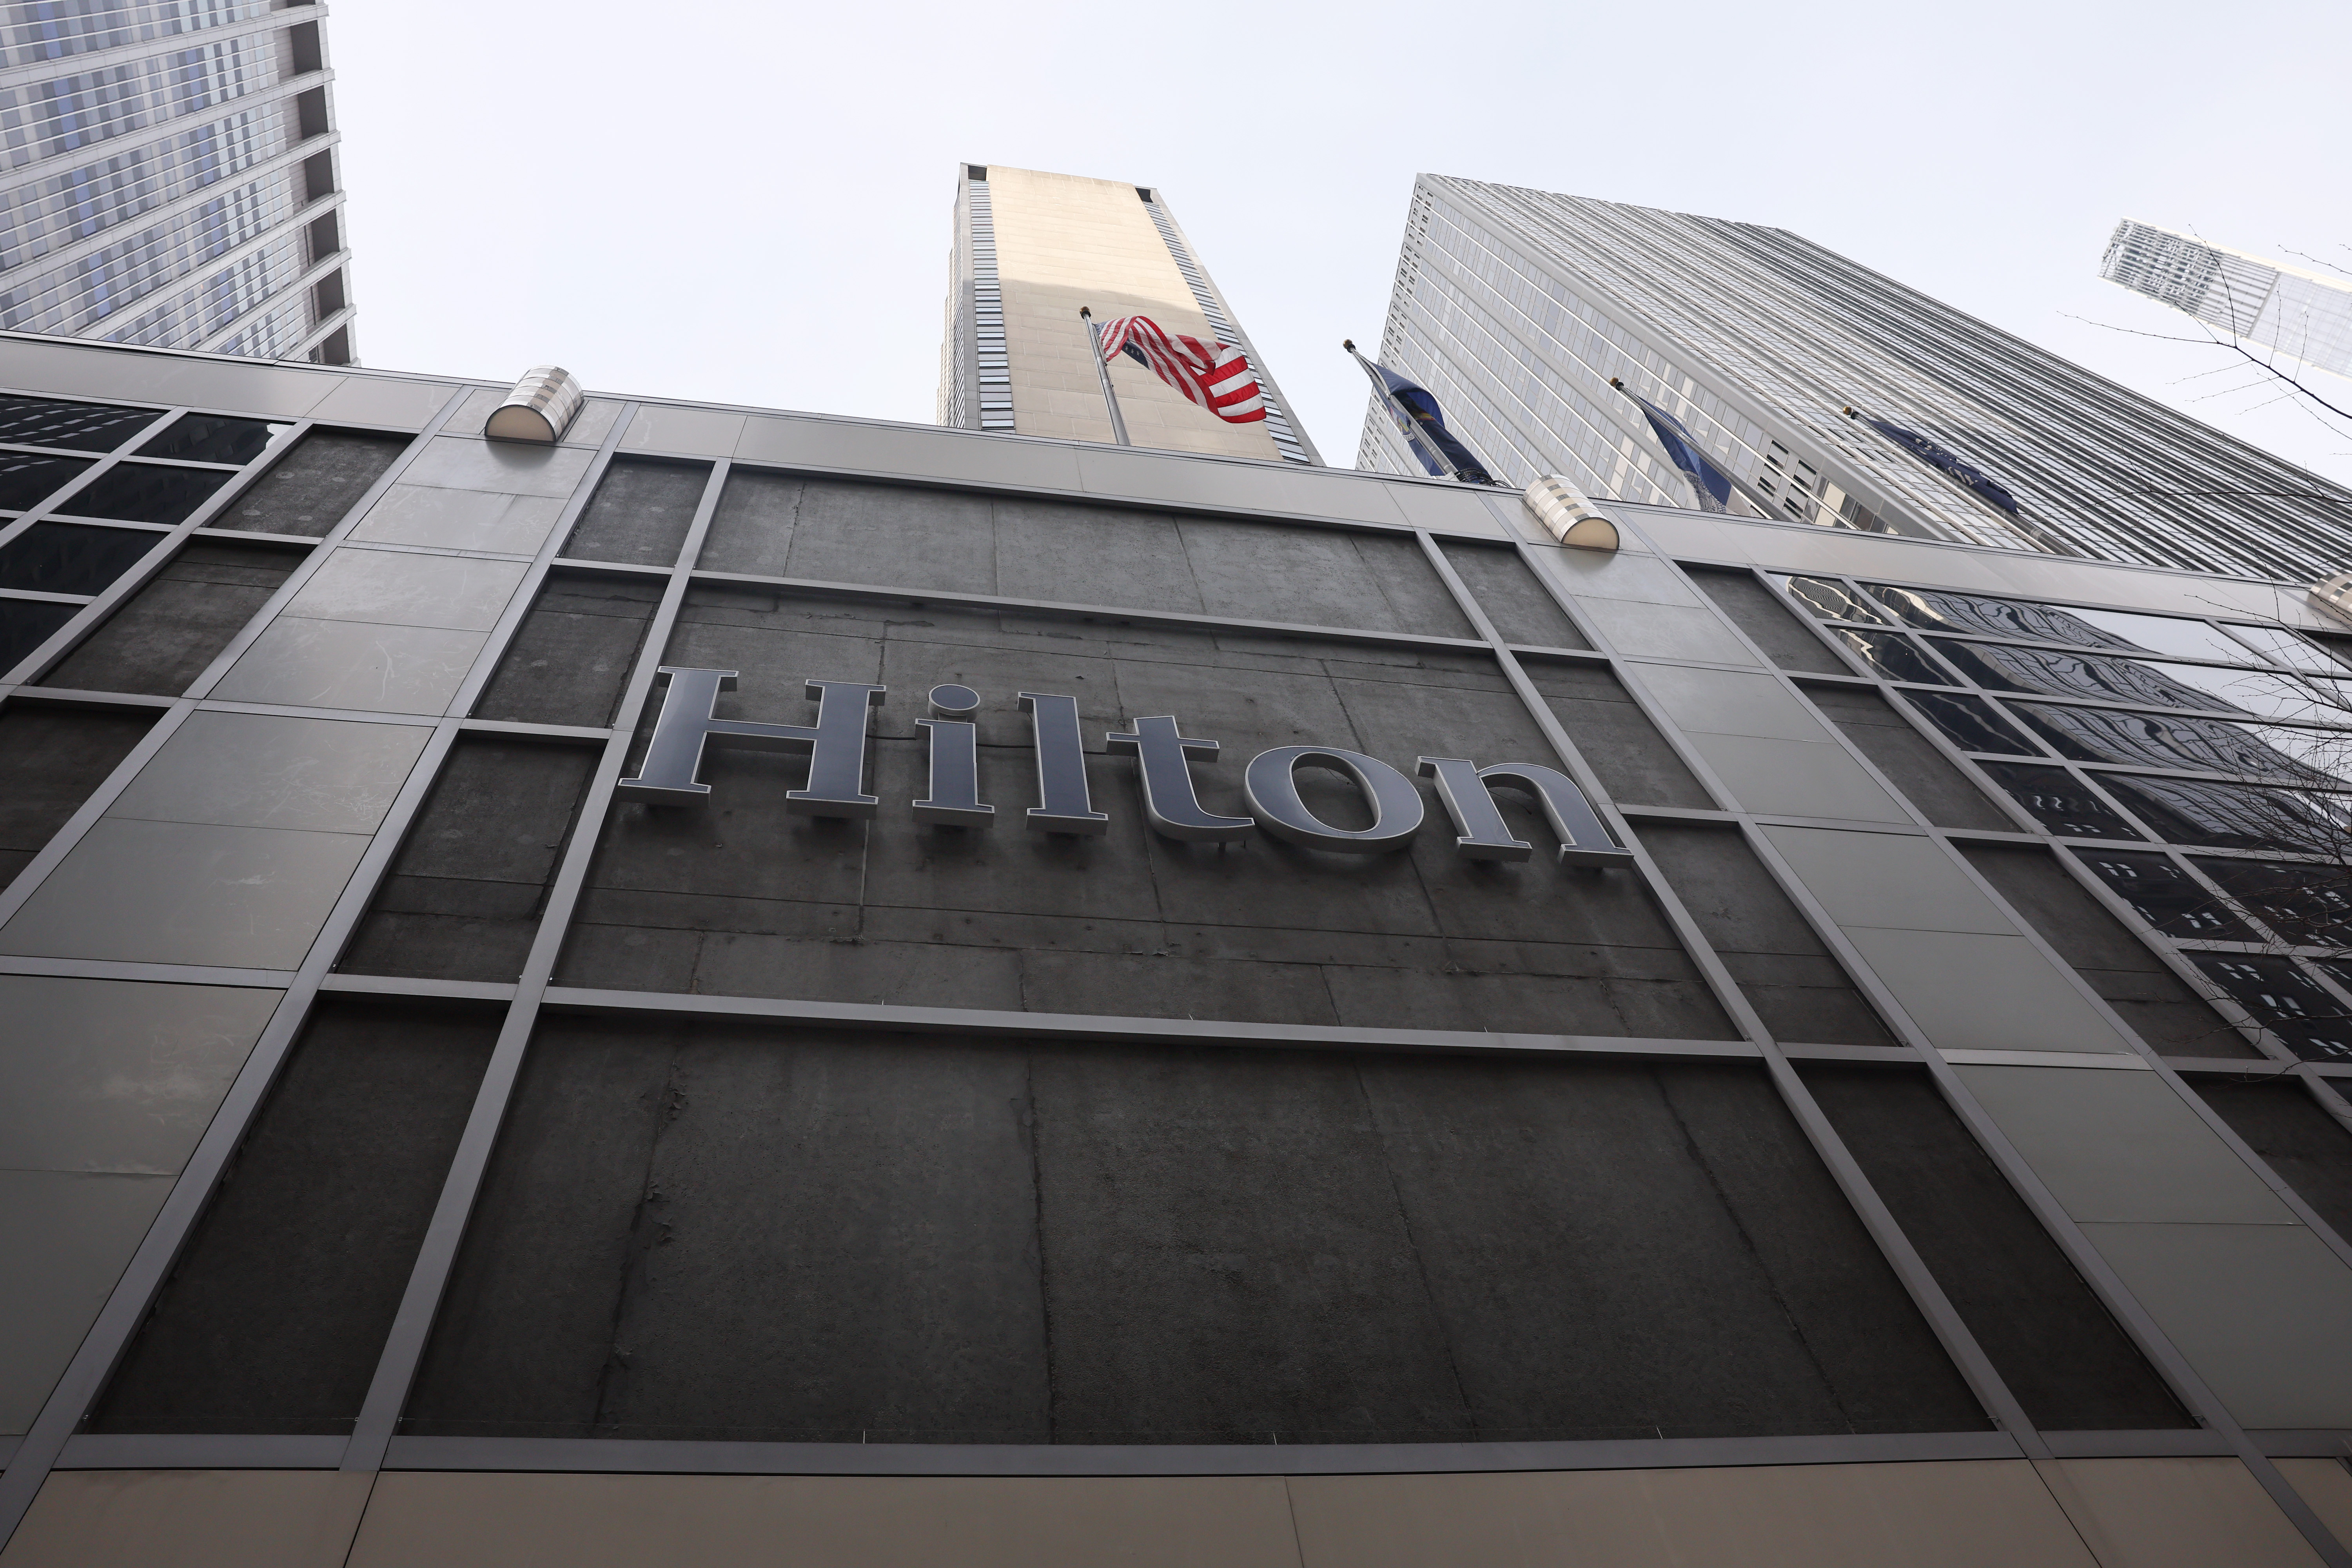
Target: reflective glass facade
pixel 167 177
pixel 1517 308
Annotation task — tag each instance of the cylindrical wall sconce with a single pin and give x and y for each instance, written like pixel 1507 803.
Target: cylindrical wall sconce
pixel 539 409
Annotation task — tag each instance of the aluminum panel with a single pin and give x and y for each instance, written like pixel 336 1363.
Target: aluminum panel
pixel 1887 880
pixel 2259 1310
pixel 460 520
pixel 117 1075
pixel 352 664
pixel 1973 991
pixel 2123 1147
pixel 508 467
pixel 66 1236
pixel 395 588
pixel 1796 778
pixel 171 892
pixel 1721 704
pixel 254 770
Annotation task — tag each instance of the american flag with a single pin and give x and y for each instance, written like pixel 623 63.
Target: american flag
pixel 1217 376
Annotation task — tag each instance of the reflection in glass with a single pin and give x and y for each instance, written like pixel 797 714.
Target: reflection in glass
pixel 212 439
pixel 140 493
pixel 2219 816
pixel 75 427
pixel 2167 634
pixel 2162 740
pixel 26 480
pixel 25 624
pixel 2260 692
pixel 70 557
pixel 1832 600
pixel 2310 905
pixel 2167 897
pixel 2284 999
pixel 1972 723
pixel 1891 655
pixel 1940 611
pixel 2059 801
pixel 2279 645
pixel 2070 675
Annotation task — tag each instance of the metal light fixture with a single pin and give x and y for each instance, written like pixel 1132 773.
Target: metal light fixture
pixel 1568 516
pixel 539 409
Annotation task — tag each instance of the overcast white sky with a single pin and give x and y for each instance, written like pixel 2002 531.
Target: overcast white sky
pixel 748 202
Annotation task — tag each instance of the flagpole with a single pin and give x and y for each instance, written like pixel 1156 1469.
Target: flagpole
pixel 1102 371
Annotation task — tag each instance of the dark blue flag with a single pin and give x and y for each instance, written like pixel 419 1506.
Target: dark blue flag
pixel 1713 484
pixel 1419 420
pixel 1974 479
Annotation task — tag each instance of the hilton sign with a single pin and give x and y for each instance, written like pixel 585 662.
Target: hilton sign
pixel 836 746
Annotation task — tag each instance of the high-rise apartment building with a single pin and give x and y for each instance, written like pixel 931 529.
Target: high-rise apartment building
pixel 1031 249
pixel 1830 393
pixel 2290 309
pixel 168 177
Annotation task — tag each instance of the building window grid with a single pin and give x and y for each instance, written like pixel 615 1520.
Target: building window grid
pixel 108 281
pixel 1703 410
pixel 75 205
pixel 2085 775
pixel 993 367
pixel 47 118
pixel 59 29
pixel 1277 423
pixel 2139 483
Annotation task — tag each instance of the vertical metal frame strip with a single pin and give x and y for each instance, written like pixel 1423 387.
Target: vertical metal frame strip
pixel 404 1347
pixel 1944 1320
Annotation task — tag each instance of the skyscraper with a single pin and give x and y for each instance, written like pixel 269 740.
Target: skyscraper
pixel 1031 248
pixel 2290 308
pixel 168 178
pixel 1832 394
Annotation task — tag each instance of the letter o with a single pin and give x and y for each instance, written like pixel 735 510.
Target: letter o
pixel 1273 794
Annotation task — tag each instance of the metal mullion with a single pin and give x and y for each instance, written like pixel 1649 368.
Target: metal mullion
pixel 99 463
pixel 404 1346
pixel 102 604
pixel 61 842
pixel 534 577
pixel 2108 1285
pixel 2194 1393
pixel 818 588
pixel 150 1265
pixel 324 547
pixel 1984 1379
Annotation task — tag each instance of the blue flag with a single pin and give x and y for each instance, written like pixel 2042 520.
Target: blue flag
pixel 1713 484
pixel 1975 480
pixel 1419 420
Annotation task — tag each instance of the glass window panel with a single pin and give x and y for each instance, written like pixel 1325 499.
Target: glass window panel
pixel 2072 675
pixel 1972 723
pixel 2258 692
pixel 1891 655
pixel 212 439
pixel 2309 905
pixel 2167 897
pixel 2217 815
pixel 26 480
pixel 2166 634
pixel 2059 801
pixel 77 426
pixel 138 493
pixel 1941 610
pixel 2280 646
pixel 26 625
pixel 70 557
pixel 1832 600
pixel 2284 998
pixel 2162 740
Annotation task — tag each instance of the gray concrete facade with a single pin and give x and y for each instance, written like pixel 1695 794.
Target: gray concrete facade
pixel 394 1100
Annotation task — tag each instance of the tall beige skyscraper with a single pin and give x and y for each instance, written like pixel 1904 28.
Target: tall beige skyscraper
pixel 1031 248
